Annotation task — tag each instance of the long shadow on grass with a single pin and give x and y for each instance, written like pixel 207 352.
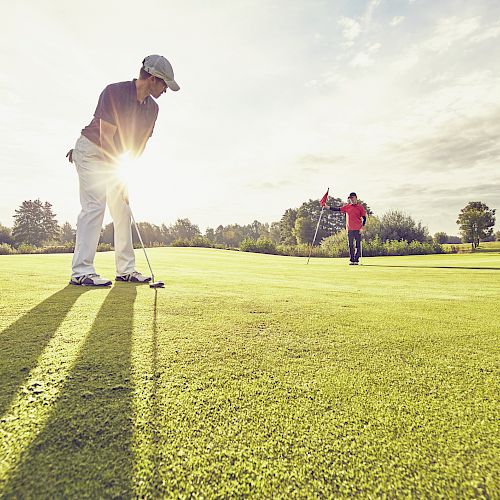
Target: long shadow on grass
pixel 434 267
pixel 157 485
pixel 22 342
pixel 85 450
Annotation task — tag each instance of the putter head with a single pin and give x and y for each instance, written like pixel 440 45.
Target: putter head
pixel 157 284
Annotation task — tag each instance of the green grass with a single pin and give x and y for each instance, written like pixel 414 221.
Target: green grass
pixel 251 375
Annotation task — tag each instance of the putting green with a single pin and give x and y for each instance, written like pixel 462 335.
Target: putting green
pixel 251 375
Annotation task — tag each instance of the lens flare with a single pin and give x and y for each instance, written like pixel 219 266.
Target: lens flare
pixel 125 169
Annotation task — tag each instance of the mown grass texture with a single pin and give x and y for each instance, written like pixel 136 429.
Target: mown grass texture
pixel 251 375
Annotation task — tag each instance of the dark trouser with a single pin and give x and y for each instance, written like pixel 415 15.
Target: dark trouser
pixel 354 236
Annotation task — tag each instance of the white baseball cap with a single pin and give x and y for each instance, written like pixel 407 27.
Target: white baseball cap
pixel 160 67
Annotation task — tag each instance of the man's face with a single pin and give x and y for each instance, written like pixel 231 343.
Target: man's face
pixel 353 199
pixel 158 87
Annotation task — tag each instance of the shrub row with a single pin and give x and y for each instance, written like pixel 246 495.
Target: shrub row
pixel 336 246
pixel 197 241
pixel 24 248
pixel 265 245
pixel 333 246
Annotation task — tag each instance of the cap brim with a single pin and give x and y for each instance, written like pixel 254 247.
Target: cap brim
pixel 172 85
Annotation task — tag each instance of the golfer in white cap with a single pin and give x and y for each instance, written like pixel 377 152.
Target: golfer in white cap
pixel 123 122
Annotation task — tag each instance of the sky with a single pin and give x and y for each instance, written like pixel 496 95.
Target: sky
pixel 398 100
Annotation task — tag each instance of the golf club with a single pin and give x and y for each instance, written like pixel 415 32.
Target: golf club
pixel 153 284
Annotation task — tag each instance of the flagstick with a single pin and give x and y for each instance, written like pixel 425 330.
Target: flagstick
pixel 315 233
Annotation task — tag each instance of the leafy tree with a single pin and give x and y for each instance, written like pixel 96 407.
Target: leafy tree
pixel 151 234
pixel 476 221
pixel 184 229
pixel 49 223
pixel 67 234
pixel 31 220
pixel 331 222
pixel 210 234
pixel 372 228
pixel 219 235
pixel 287 226
pixel 166 235
pixel 233 235
pixel 440 237
pixel 6 235
pixel 396 225
pixel 274 232
pixel 497 236
pixel 254 229
pixel 304 230
pixel 108 234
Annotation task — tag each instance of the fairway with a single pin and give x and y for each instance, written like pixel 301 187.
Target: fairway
pixel 251 375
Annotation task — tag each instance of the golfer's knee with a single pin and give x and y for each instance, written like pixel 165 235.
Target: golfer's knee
pixel 93 210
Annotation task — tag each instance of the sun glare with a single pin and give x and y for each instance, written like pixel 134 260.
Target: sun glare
pixel 126 168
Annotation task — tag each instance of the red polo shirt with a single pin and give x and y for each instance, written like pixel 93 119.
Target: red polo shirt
pixel 354 214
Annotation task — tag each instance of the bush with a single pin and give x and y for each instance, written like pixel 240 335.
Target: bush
pixel 300 250
pixel 180 242
pixel 441 237
pixel 25 248
pixel 200 242
pixel 248 245
pixel 450 249
pixel 6 249
pixel 262 245
pixel 63 248
pixel 104 247
pixel 336 245
pixel 395 247
pixel 374 247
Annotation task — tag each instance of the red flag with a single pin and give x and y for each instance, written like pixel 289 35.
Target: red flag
pixel 322 202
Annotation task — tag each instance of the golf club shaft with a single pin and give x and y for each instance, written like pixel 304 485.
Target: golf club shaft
pixel 142 243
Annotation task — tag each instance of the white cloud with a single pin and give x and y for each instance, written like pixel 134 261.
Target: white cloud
pixel 408 60
pixel 450 31
pixel 362 60
pixel 374 47
pixel 331 77
pixel 445 35
pixel 491 32
pixel 396 20
pixel 351 28
pixel 370 9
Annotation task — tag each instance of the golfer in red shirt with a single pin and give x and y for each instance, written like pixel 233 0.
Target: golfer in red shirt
pixel 356 219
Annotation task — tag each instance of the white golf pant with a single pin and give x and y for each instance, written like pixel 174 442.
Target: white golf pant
pixel 98 183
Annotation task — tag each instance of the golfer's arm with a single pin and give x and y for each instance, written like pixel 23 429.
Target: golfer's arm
pixel 107 131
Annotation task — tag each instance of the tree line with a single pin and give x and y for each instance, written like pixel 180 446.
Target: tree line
pixel 35 224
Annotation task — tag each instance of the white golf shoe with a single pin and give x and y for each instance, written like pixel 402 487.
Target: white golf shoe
pixel 89 280
pixel 134 277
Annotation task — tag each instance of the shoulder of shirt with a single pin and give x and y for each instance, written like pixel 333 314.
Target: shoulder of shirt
pixel 120 85
pixel 152 104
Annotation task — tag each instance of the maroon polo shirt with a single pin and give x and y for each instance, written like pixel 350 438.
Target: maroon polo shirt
pixel 134 120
